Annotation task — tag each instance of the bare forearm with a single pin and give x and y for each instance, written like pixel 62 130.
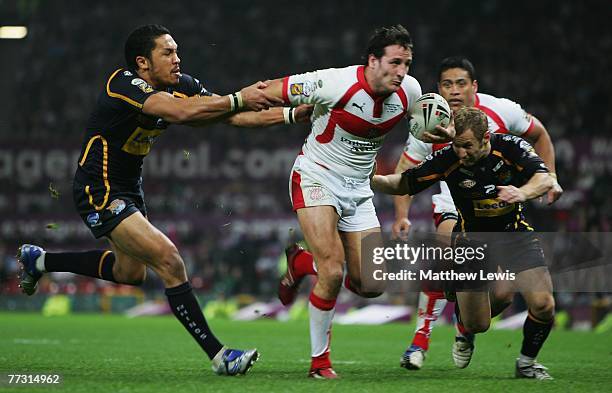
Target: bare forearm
pixel 402 205
pixel 538 185
pixel 188 110
pixel 545 149
pixel 388 184
pixel 266 118
pixel 402 202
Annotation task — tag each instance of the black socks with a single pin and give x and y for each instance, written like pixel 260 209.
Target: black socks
pixel 96 263
pixel 186 308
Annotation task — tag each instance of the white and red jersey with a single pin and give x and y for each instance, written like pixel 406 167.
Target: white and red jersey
pixel 349 122
pixel 504 116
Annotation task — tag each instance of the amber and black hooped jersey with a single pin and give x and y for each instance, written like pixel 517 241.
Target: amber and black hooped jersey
pixel 512 161
pixel 119 135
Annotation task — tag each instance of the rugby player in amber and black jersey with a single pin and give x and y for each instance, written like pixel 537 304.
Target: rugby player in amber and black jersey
pixel 490 176
pixel 136 105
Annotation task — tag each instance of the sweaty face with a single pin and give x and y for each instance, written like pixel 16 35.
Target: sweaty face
pixel 164 62
pixel 457 88
pixel 388 72
pixel 469 149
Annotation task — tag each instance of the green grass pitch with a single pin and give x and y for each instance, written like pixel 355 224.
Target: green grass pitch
pixel 110 353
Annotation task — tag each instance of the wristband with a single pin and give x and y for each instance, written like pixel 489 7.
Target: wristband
pixel 289 115
pixel 240 102
pixel 236 102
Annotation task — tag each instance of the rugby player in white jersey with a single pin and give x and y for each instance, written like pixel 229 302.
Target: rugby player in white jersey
pixel 354 107
pixel 458 85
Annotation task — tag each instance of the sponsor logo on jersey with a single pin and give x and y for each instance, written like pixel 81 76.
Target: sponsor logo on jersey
pixel 309 88
pixel 142 85
pixel 491 207
pixel 127 73
pixel 358 146
pixel 504 176
pixel 467 183
pixel 392 108
pixel 360 107
pixel 525 146
pixel 499 165
pixel 296 89
pixel 93 219
pixel 466 172
pixel 116 206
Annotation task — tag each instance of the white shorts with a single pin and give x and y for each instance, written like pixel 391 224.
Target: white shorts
pixel 443 202
pixel 311 184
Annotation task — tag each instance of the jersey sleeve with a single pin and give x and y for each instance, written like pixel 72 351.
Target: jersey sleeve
pixel 412 88
pixel 324 87
pixel 416 150
pixel 520 153
pixel 127 87
pixel 430 171
pixel 191 86
pixel 517 120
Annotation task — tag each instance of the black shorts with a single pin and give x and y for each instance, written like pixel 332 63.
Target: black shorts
pixel 102 209
pixel 522 251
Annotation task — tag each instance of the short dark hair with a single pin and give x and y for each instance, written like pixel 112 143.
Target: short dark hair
pixel 385 36
pixel 457 62
pixel 471 119
pixel 141 42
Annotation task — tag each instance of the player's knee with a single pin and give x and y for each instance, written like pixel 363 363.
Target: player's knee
pixel 170 263
pixel 330 274
pixel 543 307
pixel 477 325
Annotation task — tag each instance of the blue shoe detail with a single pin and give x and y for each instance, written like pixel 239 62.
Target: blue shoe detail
pixel 235 361
pixel 413 358
pixel 26 256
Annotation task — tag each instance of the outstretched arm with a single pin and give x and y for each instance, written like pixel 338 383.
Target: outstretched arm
pixel 389 184
pixel 285 115
pixel 204 109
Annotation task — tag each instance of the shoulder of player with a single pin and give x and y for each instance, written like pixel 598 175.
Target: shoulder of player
pixel 120 82
pixel 509 142
pixel 123 77
pixel 411 86
pixel 501 106
pixel 410 81
pixel 342 76
pixel 188 86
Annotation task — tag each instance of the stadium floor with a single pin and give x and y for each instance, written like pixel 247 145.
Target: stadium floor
pixel 110 353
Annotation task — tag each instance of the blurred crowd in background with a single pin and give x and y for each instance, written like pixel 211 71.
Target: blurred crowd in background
pixel 221 193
